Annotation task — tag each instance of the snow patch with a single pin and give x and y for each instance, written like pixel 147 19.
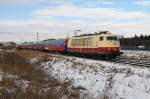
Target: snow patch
pixel 137 54
pixel 23 84
pixel 100 79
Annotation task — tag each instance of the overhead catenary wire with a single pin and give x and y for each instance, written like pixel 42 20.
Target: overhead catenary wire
pixel 115 23
pixel 135 21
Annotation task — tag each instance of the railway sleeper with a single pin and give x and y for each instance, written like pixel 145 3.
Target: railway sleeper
pixel 136 64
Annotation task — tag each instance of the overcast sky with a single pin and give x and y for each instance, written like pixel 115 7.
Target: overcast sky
pixel 20 20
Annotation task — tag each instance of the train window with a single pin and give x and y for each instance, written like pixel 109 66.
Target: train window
pixel 74 42
pixel 82 42
pixel 112 38
pixel 101 38
pixel 90 42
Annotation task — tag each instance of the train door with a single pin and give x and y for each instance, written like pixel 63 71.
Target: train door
pixel 101 41
pixel 95 43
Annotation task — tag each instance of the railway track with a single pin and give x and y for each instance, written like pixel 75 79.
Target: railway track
pixel 124 61
pixel 133 62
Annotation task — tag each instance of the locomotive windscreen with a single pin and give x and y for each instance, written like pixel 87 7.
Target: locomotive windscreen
pixel 112 38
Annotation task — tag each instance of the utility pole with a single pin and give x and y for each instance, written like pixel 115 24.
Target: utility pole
pixel 37 37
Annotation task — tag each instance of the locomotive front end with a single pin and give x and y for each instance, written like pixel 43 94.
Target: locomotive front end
pixel 109 45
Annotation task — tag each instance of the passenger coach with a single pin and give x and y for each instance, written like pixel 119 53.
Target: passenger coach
pixel 59 45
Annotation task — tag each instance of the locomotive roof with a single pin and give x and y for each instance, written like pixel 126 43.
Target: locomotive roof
pixel 95 34
pixel 44 42
pixel 53 41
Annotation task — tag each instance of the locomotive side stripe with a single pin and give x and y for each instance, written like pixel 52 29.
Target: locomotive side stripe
pixel 104 49
pixel 56 48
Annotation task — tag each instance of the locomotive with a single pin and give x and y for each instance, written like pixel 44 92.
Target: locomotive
pixel 102 44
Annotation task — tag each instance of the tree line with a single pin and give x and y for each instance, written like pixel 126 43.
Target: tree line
pixel 136 42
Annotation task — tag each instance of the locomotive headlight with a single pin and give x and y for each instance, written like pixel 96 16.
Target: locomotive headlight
pixel 46 48
pixel 114 49
pixel 108 49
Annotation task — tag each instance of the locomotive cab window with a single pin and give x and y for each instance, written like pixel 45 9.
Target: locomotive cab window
pixel 112 38
pixel 101 38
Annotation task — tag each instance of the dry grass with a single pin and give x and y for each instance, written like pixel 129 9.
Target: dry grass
pixel 30 53
pixel 22 80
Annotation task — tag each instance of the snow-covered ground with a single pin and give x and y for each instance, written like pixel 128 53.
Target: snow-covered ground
pixel 137 54
pixel 19 83
pixel 100 79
